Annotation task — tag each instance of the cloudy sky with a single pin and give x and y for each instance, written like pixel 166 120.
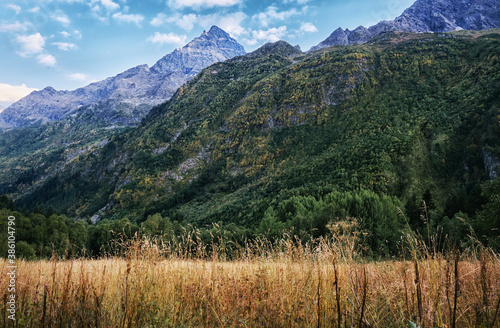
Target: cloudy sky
pixel 67 44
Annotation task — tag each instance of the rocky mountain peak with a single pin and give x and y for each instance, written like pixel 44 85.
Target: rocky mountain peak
pixel 339 36
pixel 210 47
pixel 48 91
pixel 425 16
pixel 215 31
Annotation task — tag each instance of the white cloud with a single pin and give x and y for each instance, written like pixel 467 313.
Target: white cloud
pixel 131 18
pixel 103 19
pixel 76 34
pixel 308 27
pixel 16 8
pixel 249 42
pixel 34 9
pixel 186 22
pixel 79 77
pixel 12 93
pixel 159 20
pixel 14 27
pixel 196 4
pixel 70 1
pixel 232 23
pixel 108 4
pixel 101 6
pixel 30 44
pixel 62 19
pixel 64 46
pixel 272 14
pixel 47 59
pixel 273 34
pixel 34 45
pixel 162 38
pixel 299 2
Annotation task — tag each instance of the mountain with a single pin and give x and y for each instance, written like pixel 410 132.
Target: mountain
pixel 411 116
pixel 127 97
pixel 425 16
pixel 281 48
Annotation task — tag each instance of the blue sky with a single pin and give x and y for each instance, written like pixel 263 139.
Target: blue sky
pixel 68 44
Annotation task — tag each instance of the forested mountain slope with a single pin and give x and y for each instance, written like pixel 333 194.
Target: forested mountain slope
pixel 261 138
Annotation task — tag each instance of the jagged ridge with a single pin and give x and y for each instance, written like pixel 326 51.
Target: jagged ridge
pixel 425 16
pixel 132 93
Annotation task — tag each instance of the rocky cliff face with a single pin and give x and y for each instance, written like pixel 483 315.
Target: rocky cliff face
pixel 211 47
pixel 425 16
pixel 127 97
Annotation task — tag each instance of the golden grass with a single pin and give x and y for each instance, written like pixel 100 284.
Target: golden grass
pixel 291 287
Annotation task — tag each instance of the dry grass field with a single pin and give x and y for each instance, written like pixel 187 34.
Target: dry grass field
pixel 285 284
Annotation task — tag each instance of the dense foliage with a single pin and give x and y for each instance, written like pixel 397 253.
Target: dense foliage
pixel 401 133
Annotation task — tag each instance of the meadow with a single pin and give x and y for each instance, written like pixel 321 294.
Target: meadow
pixel 264 283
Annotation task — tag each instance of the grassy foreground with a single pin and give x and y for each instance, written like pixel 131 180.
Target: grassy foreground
pixel 285 284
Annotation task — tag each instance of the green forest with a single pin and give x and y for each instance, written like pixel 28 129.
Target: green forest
pixel 401 134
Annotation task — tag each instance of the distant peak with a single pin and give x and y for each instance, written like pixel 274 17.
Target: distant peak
pixel 216 31
pixel 210 47
pixel 49 90
pixel 424 16
pixel 280 47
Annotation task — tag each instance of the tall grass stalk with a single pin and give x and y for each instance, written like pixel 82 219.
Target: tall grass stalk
pixel 267 283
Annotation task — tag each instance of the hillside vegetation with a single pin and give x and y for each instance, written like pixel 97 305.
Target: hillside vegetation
pixel 322 283
pixel 401 133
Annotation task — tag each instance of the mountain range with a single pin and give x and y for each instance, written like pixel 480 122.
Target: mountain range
pixel 123 100
pixel 127 97
pixel 425 16
pixel 263 140
pixel 409 115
